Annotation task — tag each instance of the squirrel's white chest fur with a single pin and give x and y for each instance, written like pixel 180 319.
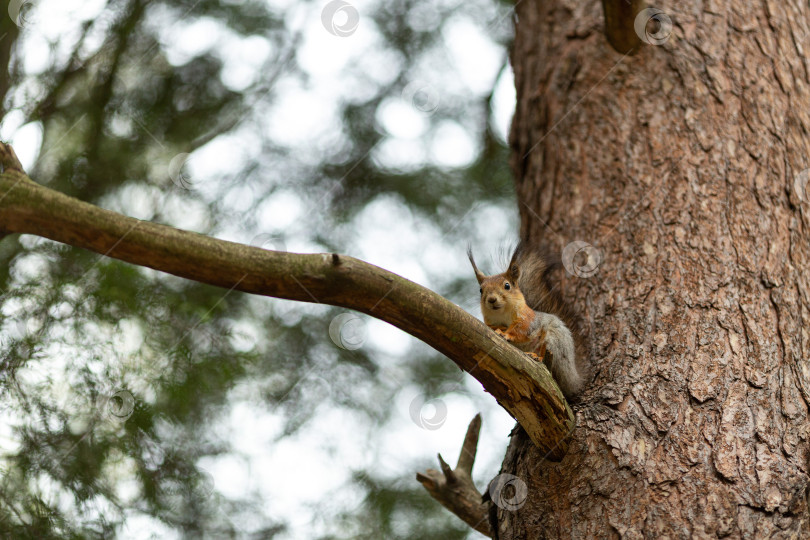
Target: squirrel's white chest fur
pixel 498 317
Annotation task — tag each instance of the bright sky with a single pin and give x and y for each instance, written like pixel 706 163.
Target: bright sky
pixel 294 475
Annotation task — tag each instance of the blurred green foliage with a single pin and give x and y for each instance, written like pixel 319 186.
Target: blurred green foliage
pixel 82 334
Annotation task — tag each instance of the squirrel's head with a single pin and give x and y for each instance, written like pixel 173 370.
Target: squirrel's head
pixel 501 298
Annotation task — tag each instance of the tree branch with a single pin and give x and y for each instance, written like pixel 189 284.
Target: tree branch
pixel 522 386
pixel 454 488
pixel 620 17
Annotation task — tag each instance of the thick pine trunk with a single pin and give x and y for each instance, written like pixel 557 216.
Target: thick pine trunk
pixel 682 166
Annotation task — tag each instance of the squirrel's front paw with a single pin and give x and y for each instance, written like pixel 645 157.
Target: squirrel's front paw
pixel 504 334
pixel 535 356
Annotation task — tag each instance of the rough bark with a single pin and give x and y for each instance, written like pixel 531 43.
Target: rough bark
pixel 682 165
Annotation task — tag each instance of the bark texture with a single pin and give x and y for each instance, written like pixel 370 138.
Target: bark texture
pixel 682 167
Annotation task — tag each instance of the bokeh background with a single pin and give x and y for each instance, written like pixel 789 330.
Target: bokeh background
pixel 139 405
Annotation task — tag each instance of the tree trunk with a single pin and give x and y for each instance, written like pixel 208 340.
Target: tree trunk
pixel 682 166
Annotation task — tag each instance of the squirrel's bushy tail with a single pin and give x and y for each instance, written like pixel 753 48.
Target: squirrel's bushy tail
pixel 534 281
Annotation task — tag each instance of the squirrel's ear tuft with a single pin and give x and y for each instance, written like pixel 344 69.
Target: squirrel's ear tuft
pixel 514 272
pixel 478 274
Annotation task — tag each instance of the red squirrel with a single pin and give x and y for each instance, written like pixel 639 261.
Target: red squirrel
pixel 520 306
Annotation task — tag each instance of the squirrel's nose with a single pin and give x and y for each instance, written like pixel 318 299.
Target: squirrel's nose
pixel 491 299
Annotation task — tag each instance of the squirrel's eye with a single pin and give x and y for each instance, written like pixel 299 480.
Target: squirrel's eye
pixel 481 291
pixel 506 285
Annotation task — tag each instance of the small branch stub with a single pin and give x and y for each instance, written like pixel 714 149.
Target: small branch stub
pixel 8 158
pixel 454 488
pixel 620 16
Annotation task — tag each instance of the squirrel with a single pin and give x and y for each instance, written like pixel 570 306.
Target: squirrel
pixel 521 306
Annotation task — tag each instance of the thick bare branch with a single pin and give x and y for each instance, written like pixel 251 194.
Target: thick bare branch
pixel 522 386
pixel 620 16
pixel 454 488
